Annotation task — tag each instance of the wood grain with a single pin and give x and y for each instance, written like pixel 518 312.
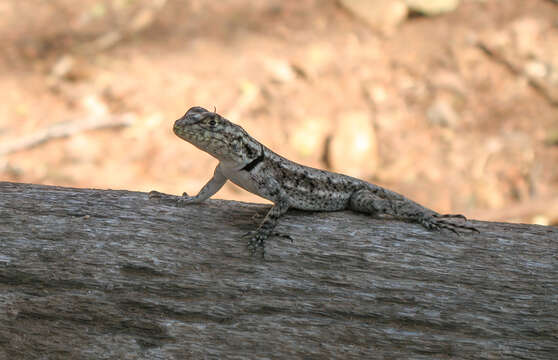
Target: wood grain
pixel 104 274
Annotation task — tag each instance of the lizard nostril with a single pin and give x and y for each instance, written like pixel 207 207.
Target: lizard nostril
pixel 178 124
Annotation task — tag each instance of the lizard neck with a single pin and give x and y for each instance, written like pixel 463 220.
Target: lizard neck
pixel 252 164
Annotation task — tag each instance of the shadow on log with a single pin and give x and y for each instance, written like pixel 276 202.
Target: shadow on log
pixel 102 274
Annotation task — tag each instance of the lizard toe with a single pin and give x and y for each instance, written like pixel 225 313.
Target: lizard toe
pixel 254 242
pixel 451 216
pixel 429 223
pixel 440 222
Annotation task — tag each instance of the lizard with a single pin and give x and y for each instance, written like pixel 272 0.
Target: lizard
pixel 289 185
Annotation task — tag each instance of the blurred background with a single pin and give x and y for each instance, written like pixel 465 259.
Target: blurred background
pixel 451 103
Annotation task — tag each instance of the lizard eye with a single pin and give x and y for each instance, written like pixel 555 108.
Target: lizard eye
pixel 211 122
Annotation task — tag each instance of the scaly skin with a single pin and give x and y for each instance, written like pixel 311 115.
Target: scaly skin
pixel 257 169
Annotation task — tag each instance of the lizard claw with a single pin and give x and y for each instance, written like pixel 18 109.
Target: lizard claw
pixel 184 200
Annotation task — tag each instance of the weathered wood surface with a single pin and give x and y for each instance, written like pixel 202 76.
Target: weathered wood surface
pixel 101 274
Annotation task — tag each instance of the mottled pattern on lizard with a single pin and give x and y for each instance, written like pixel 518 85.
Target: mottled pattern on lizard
pixel 257 169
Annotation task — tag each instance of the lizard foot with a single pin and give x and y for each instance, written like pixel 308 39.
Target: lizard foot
pixel 171 199
pixel 159 196
pixel 257 240
pixel 437 222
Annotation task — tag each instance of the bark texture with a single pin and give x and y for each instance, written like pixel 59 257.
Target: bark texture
pixel 103 274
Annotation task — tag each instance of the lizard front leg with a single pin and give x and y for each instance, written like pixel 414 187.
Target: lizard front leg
pixel 208 190
pixel 280 206
pixel 265 229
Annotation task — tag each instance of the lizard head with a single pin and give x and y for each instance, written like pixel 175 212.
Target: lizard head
pixel 217 136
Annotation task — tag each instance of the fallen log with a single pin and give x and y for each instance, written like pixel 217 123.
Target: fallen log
pixel 104 274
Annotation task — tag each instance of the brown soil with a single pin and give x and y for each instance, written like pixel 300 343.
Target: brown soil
pixel 464 106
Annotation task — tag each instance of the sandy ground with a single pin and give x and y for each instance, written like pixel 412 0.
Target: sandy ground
pixel 458 111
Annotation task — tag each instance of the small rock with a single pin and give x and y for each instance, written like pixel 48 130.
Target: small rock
pixel 318 58
pixel 94 106
pixel 447 80
pixel 536 69
pixel 63 67
pixel 381 15
pixel 354 148
pixel 142 20
pixel 309 136
pixel 375 93
pixel 432 7
pixel 281 70
pixel 442 113
pixel 106 41
pixel 527 36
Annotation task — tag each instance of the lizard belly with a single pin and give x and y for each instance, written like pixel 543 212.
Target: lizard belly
pixel 242 179
pixel 314 199
pixel 319 203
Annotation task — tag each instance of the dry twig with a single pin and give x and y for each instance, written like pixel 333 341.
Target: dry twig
pixel 64 130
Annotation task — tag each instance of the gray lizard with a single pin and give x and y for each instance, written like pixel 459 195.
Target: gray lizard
pixel 255 168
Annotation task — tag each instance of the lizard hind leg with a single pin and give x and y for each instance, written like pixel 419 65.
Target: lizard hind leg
pixel 437 222
pixel 367 202
pixel 402 208
pixel 443 223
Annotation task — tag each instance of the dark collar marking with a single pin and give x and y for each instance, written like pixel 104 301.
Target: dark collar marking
pixel 252 164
